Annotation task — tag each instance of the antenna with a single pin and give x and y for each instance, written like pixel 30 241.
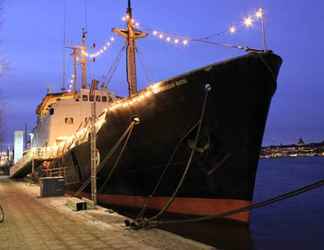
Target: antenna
pixel 64 44
pixel 85 15
pixel 129 9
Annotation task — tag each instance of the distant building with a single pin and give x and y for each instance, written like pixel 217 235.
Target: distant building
pixel 18 145
pixel 300 142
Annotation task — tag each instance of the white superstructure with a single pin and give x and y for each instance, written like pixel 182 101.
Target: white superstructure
pixel 61 115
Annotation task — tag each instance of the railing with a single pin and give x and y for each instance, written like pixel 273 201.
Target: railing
pixel 21 163
pixel 43 153
pixel 49 153
pixel 55 172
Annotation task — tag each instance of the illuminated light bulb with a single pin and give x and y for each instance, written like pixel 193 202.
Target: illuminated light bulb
pixel 259 14
pixel 104 48
pixel 127 17
pixel 232 29
pixel 185 42
pixel 123 18
pixel 108 44
pixel 133 21
pixel 168 39
pixel 106 110
pixel 71 81
pixel 101 51
pixel 155 32
pixel 161 36
pixel 248 22
pixel 112 39
pixel 176 41
pixel 73 76
pixel 137 24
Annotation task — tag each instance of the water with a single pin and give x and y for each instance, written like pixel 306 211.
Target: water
pixel 297 223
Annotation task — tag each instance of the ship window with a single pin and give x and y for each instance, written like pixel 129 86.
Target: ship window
pixel 98 99
pixel 85 98
pixel 68 120
pixel 104 98
pixel 91 98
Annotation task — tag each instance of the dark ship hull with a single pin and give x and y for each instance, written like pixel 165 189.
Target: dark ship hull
pixel 222 174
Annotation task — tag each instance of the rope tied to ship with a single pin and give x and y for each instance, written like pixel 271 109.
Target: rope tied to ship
pixel 143 222
pixel 126 133
pixel 135 122
pixel 257 205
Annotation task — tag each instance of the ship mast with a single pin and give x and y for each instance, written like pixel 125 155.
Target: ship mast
pixel 83 60
pixel 130 34
pixel 79 54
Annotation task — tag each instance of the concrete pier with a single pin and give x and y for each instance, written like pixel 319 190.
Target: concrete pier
pixel 46 223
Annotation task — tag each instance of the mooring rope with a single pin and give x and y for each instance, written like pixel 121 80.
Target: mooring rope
pixel 109 155
pixel 184 175
pixel 257 205
pixel 142 212
pixel 118 158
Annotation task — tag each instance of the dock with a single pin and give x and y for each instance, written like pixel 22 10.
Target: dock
pixel 38 223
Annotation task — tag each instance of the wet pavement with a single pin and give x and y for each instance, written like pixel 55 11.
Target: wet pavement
pixel 46 223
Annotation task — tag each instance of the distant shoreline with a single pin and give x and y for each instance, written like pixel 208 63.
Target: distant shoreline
pixel 293 150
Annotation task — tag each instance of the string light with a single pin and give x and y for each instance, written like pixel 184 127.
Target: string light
pixel 232 29
pixel 259 14
pixel 170 38
pixel 248 22
pixel 73 77
pixel 99 52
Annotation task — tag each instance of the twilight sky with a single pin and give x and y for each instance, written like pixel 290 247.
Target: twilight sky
pixel 32 43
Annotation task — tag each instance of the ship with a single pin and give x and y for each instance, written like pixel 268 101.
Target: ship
pixel 184 146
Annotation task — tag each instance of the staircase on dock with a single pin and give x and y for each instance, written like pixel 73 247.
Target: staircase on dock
pixel 25 165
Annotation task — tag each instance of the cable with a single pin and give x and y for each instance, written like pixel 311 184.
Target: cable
pixel 113 68
pixel 103 162
pixel 202 114
pixel 141 213
pixel 118 158
pixel 257 205
pixel 141 60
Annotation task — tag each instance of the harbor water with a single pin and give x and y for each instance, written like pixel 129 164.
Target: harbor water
pixel 296 223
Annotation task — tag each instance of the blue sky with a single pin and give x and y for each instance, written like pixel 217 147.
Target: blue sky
pixel 32 42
